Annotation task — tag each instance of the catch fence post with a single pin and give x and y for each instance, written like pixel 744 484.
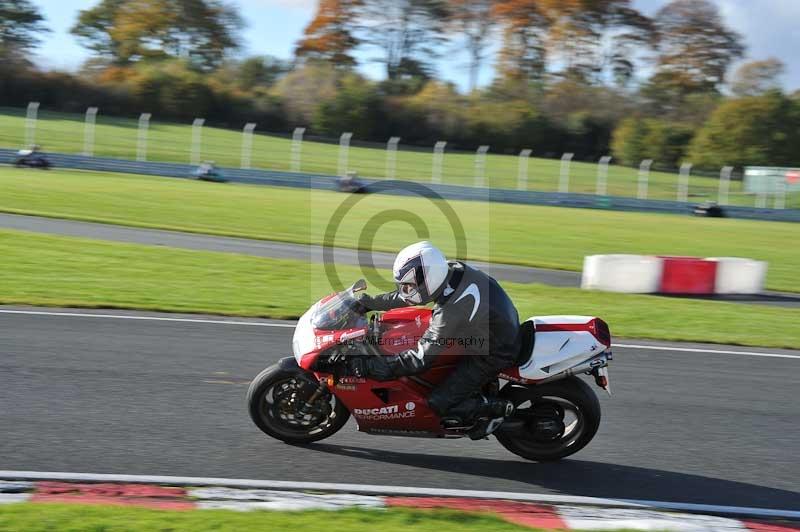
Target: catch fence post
pixel 563 179
pixel 197 140
pixel 391 157
pixel 141 137
pixel 601 188
pixel 247 145
pixel 480 166
pixel 438 157
pixel 780 194
pixel 88 131
pixel 344 152
pixel 31 115
pixel 724 184
pixel 683 182
pixel 297 148
pixel 522 171
pixel 644 179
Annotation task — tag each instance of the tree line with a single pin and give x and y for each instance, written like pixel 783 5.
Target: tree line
pixel 582 76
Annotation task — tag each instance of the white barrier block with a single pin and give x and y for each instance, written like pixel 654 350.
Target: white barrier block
pixel 736 275
pixel 633 274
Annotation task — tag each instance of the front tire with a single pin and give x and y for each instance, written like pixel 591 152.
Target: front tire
pixel 551 421
pixel 274 397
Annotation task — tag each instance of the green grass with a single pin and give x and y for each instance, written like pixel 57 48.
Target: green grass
pixel 117 137
pixel 520 234
pixel 78 518
pixel 60 271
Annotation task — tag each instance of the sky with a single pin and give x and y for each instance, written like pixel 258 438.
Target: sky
pixel 771 29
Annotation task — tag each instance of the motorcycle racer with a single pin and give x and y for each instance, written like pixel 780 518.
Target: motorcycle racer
pixel 466 301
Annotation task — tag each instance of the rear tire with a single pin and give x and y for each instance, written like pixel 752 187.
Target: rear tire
pixel 571 395
pixel 272 398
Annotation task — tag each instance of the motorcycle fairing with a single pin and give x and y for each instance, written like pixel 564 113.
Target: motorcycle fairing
pixel 399 407
pixel 562 342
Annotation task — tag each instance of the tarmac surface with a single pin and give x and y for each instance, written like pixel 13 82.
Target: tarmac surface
pixel 164 394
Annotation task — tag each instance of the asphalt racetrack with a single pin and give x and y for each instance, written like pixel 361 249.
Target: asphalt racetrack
pixel 164 397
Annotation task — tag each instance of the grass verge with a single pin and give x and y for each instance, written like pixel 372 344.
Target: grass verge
pixel 60 271
pixel 117 137
pixel 28 517
pixel 548 237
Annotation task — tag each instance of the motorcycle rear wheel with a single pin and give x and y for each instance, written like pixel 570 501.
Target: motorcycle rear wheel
pixel 272 400
pixel 569 408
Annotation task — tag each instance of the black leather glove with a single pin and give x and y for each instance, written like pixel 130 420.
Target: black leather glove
pixel 359 306
pixel 355 367
pixel 370 367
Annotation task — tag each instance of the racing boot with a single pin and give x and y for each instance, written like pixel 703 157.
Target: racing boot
pixel 489 416
pixel 480 414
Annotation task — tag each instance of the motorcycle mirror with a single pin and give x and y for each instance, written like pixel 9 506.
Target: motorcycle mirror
pixel 359 286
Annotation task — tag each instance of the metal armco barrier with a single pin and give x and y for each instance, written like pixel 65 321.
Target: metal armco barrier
pixel 454 192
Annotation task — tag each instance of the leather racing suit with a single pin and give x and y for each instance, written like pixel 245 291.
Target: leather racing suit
pixel 471 309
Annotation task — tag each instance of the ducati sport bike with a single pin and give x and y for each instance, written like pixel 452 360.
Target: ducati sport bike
pixel 307 397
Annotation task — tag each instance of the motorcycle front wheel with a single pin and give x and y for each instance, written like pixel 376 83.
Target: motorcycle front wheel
pixel 274 398
pixel 550 421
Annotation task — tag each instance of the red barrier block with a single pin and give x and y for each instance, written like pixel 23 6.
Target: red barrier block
pixel 688 275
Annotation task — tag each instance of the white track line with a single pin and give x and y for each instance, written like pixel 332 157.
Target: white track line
pixel 291 326
pixel 399 490
pixel 146 318
pixel 712 351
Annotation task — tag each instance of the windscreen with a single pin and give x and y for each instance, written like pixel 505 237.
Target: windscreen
pixel 338 313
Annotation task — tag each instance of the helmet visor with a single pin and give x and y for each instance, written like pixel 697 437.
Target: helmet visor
pixel 408 291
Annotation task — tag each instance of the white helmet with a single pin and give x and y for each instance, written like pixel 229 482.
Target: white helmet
pixel 419 271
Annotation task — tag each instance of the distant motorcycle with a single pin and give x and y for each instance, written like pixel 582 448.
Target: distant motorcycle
pixel 308 397
pixel 351 184
pixel 32 158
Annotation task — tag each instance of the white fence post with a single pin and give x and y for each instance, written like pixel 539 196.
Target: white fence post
pixel 602 175
pixel 480 166
pixel 644 178
pixel 522 172
pixel 297 148
pixel 780 194
pixel 761 198
pixel 197 139
pixel 247 145
pixel 88 131
pixel 683 182
pixel 141 137
pixel 724 185
pixel 344 152
pixel 30 123
pixel 563 179
pixel 391 157
pixel 438 158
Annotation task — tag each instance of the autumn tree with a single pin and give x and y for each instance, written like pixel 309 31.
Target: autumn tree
pixel 522 56
pixel 590 38
pixel 474 20
pixel 330 36
pixel 695 47
pixel 20 22
pixel 757 77
pixel 125 31
pixel 407 33
pixel 597 38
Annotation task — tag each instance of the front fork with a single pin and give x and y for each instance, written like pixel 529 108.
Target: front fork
pixel 306 409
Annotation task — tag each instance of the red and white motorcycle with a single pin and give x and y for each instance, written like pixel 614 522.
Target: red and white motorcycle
pixel 305 398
